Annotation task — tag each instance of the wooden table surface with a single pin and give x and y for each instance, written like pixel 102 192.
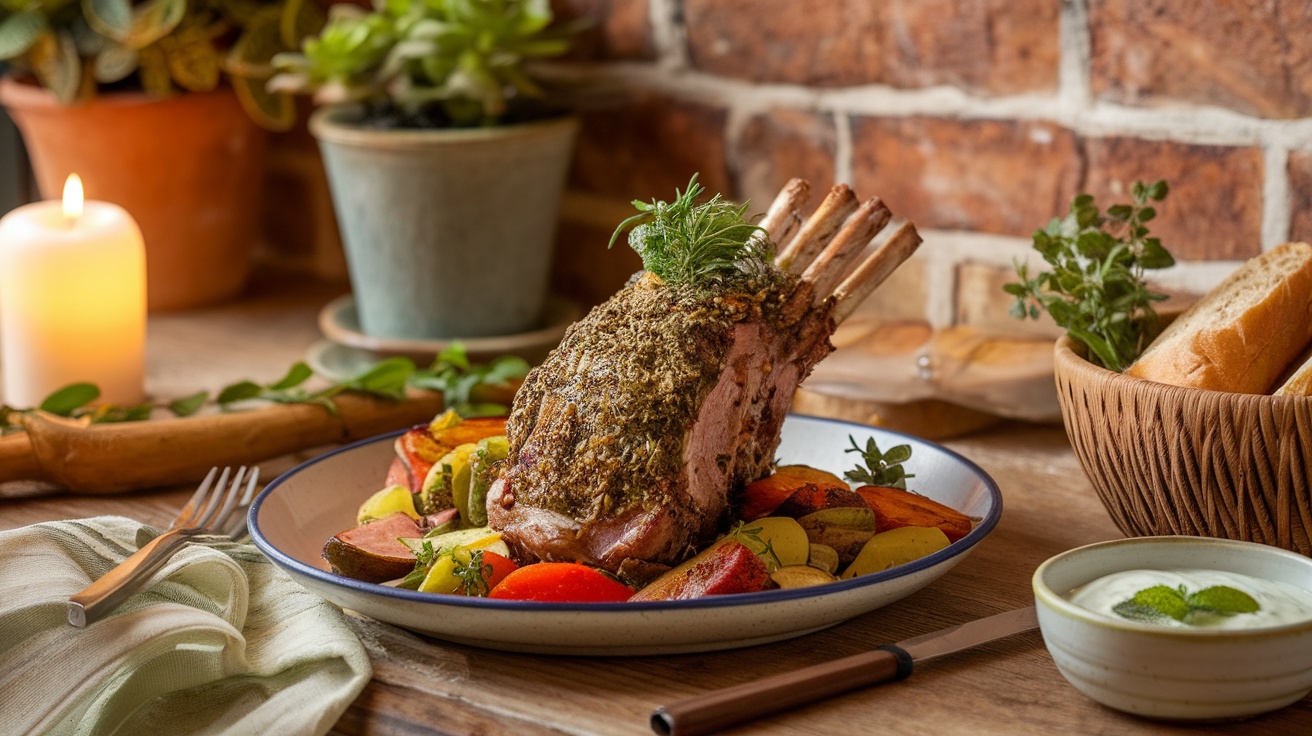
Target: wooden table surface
pixel 423 685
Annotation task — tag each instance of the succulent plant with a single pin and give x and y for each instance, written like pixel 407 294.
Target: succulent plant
pixel 465 58
pixel 75 47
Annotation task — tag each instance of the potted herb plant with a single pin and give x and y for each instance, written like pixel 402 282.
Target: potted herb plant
pixel 158 106
pixel 445 163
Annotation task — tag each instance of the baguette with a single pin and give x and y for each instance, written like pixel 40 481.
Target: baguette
pixel 1241 335
pixel 1298 382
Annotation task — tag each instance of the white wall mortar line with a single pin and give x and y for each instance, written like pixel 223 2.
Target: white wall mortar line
pixel 842 148
pixel 1073 71
pixel 668 34
pixel 1275 196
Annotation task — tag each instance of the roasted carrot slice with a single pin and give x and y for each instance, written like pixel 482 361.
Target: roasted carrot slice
pixel 895 508
pixel 560 582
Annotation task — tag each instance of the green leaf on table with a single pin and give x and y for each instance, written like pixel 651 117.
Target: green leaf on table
pixel 188 405
pixel 240 391
pixel 111 413
pixel 385 378
pixel 67 400
pixel 299 373
pixel 457 379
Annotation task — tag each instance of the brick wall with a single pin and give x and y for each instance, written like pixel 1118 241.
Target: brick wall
pixel 977 119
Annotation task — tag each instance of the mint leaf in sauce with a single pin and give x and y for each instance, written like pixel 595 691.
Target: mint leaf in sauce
pixel 1161 602
pixel 1224 600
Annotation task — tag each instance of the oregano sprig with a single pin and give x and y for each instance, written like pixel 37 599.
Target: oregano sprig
pixel 880 468
pixel 1096 289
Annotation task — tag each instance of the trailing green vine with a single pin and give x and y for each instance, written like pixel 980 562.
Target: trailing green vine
pixel 451 374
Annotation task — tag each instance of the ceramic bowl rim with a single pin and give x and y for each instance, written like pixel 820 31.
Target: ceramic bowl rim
pixel 1046 597
pixel 953 550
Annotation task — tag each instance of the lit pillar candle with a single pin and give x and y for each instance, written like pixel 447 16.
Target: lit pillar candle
pixel 72 300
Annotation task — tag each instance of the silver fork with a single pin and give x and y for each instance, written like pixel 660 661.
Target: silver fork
pixel 208 511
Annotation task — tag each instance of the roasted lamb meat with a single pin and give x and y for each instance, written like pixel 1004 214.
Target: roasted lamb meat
pixel 628 442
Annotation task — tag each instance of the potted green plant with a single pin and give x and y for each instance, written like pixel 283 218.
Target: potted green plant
pixel 157 106
pixel 445 163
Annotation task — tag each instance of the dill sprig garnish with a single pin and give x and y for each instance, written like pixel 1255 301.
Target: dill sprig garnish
pixel 687 243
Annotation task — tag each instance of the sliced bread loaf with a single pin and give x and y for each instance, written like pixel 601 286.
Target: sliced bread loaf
pixel 1242 334
pixel 1298 380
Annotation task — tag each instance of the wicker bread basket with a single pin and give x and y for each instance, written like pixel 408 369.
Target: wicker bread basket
pixel 1172 460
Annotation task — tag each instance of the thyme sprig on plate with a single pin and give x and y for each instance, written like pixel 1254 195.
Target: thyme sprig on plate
pixel 687 243
pixel 1096 289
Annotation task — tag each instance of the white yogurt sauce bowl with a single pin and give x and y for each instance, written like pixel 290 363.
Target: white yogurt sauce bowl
pixel 1177 673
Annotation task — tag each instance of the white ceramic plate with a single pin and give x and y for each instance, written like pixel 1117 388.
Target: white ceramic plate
pixel 299 511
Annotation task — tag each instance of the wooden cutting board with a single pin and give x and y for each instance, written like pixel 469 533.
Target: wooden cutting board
pixel 908 376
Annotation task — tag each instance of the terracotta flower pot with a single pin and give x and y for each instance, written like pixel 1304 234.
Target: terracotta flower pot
pixel 188 168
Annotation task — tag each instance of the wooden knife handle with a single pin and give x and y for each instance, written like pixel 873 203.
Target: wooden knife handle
pixel 722 708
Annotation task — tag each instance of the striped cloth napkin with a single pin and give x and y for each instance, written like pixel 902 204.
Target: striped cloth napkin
pixel 220 642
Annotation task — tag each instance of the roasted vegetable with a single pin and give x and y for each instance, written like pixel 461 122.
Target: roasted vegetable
pixel 897 508
pixel 447 483
pixel 811 498
pixel 463 571
pixel 561 582
pixel 800 576
pixel 429 553
pixel 372 552
pixel 762 497
pixel 824 558
pixel 725 568
pixel 491 450
pixel 846 529
pixel 896 547
pixel 388 501
pixel 777 540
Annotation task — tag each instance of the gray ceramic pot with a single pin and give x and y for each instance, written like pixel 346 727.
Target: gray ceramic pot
pixel 447 233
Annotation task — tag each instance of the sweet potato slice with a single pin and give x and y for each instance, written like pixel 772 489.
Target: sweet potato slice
pixel 371 552
pixel 762 497
pixel 896 508
pixel 726 568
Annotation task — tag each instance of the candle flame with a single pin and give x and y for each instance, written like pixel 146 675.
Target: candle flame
pixel 73 197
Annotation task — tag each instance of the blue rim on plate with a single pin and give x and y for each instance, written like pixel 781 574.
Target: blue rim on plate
pixel 977 534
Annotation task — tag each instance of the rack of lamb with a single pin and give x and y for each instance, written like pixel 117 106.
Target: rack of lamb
pixel 628 443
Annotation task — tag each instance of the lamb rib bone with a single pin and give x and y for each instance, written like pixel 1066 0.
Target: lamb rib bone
pixel 871 272
pixel 829 268
pixel 783 216
pixel 818 230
